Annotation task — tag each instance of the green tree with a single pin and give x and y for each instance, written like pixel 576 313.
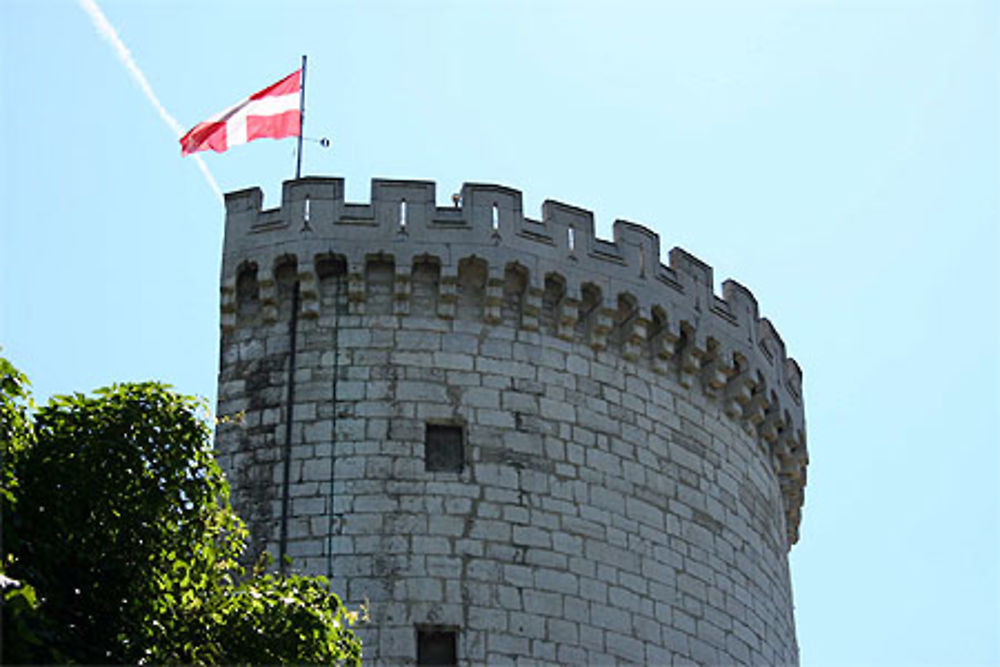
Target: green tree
pixel 120 544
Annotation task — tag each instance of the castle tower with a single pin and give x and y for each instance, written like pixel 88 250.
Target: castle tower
pixel 515 440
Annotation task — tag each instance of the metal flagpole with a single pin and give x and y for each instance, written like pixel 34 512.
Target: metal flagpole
pixel 302 119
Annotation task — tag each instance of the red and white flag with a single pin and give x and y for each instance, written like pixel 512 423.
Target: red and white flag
pixel 272 112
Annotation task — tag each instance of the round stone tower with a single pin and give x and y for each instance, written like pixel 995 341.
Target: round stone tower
pixel 516 441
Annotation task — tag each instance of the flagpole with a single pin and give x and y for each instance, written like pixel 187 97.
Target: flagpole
pixel 302 119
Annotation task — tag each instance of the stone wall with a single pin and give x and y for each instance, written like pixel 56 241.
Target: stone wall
pixel 633 445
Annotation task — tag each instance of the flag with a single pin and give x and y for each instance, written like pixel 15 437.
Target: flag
pixel 273 112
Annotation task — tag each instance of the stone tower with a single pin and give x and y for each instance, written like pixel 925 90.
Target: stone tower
pixel 519 442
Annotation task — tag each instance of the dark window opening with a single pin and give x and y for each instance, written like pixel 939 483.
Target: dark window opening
pixel 443 448
pixel 436 646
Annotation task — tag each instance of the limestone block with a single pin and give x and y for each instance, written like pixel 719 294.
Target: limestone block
pixel 629 488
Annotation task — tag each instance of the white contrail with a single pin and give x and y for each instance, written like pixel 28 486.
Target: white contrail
pixel 107 31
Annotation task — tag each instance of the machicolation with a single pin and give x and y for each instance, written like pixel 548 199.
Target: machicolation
pixel 517 441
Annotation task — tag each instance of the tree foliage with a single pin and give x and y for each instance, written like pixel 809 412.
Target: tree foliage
pixel 120 544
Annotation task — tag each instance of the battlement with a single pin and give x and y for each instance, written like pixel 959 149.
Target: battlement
pixel 402 255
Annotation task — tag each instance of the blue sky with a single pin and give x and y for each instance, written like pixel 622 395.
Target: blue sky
pixel 841 159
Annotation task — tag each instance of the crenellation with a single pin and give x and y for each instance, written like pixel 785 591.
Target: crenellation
pixel 531 310
pixel 756 408
pixel 739 389
pixel 716 369
pixel 494 296
pixel 634 450
pixel 268 296
pixel 773 423
pixel 689 355
pixel 448 295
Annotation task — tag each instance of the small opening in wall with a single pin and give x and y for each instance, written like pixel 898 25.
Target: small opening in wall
pixel 402 214
pixel 437 646
pixel 571 238
pixel 642 260
pixel 305 210
pixel 496 217
pixel 443 448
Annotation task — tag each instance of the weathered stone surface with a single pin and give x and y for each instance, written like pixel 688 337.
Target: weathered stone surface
pixel 633 445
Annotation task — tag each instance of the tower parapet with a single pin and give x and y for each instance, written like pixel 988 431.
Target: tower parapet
pixel 564 340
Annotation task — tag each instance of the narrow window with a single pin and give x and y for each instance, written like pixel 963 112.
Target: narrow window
pixel 402 214
pixel 570 239
pixel 305 210
pixel 642 260
pixel 443 448
pixel 496 218
pixel 437 646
